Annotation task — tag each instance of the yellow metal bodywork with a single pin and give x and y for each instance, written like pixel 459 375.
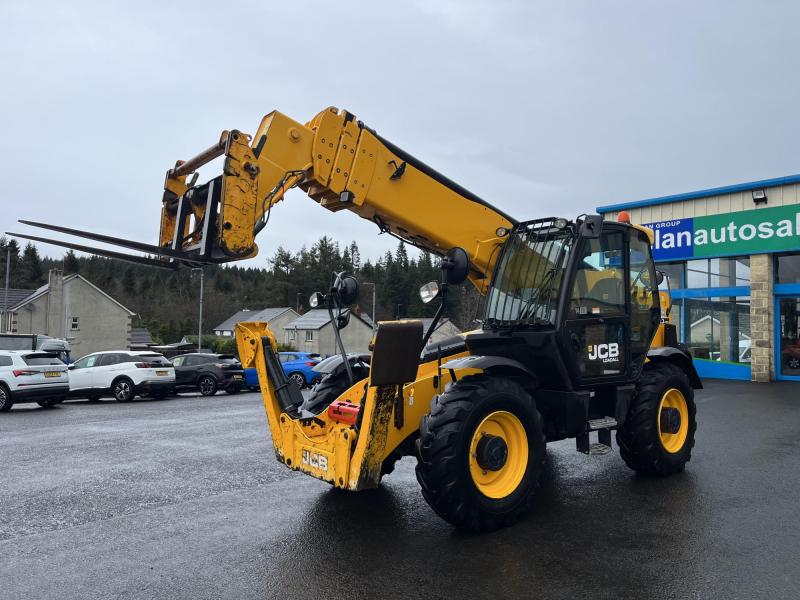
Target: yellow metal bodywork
pixel 342 165
pixel 503 482
pixel 674 442
pixel 333 451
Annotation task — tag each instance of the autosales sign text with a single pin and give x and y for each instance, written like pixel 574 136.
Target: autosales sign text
pixel 758 231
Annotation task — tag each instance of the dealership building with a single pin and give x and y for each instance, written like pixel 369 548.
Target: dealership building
pixel 733 258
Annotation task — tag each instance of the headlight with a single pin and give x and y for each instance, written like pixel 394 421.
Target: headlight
pixel 429 291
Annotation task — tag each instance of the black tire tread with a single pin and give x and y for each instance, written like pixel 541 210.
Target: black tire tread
pixel 438 474
pixel 9 402
pixel 638 438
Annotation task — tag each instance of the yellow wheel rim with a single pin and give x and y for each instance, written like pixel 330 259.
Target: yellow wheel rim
pixel 673 442
pixel 502 482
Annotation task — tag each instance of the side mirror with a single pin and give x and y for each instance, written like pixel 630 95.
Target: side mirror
pixel 429 292
pixel 591 226
pixel 455 265
pixel 347 288
pixel 71 367
pixel 316 299
pixel 659 277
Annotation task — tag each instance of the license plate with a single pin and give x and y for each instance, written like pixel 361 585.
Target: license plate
pixel 52 374
pixel 161 372
pixel 237 376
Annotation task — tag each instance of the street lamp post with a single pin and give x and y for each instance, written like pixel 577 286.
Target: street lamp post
pixel 200 318
pixel 374 318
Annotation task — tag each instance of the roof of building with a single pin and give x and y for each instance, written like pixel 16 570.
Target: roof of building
pixel 15 296
pixel 45 288
pixel 426 322
pixel 140 337
pixel 264 314
pixel 707 193
pixel 319 317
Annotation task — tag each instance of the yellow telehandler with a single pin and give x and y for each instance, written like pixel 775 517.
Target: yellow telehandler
pixel 575 338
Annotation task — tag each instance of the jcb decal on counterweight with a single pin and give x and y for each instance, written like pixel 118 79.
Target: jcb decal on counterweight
pixel 314 460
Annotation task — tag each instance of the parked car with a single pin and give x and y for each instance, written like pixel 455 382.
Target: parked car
pixel 297 366
pixel 31 376
pixel 329 365
pixel 208 373
pixel 121 374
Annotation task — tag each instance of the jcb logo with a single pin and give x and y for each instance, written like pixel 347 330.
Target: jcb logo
pixel 604 352
pixel 312 459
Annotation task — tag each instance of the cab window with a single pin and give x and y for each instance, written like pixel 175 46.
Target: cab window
pixel 644 293
pixel 599 284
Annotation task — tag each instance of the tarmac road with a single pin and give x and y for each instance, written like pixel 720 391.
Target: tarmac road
pixel 183 499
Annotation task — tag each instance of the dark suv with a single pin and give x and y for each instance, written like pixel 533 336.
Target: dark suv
pixel 208 373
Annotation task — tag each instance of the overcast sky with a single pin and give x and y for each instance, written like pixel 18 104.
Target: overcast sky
pixel 539 107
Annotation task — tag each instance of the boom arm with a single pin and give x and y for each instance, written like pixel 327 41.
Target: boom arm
pixel 341 164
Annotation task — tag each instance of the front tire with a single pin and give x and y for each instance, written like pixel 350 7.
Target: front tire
pixel 658 434
pixel 123 390
pixel 481 452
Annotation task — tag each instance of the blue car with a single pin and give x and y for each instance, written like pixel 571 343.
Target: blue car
pixel 297 366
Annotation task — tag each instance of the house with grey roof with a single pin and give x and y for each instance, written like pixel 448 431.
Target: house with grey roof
pixel 276 318
pixel 71 307
pixel 8 298
pixel 140 339
pixel 313 332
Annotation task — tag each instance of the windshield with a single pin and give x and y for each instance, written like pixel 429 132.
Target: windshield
pixel 528 277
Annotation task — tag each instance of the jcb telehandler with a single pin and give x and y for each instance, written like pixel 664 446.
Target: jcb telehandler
pixel 574 341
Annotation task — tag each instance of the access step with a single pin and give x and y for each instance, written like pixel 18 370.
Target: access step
pixel 603 423
pixel 603 427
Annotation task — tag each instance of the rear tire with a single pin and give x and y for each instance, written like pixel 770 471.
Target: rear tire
pixel 5 399
pixel 644 441
pixel 207 385
pixel 460 487
pixel 123 390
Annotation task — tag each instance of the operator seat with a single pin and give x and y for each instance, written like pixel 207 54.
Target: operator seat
pixel 607 295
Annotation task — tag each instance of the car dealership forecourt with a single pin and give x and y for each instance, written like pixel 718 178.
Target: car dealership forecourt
pixel 733 258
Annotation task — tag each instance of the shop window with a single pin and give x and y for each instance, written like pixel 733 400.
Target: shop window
pixel 789 324
pixel 676 272
pixel 787 268
pixel 718 272
pixel 716 329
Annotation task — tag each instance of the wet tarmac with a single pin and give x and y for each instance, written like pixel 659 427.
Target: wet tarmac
pixel 183 499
